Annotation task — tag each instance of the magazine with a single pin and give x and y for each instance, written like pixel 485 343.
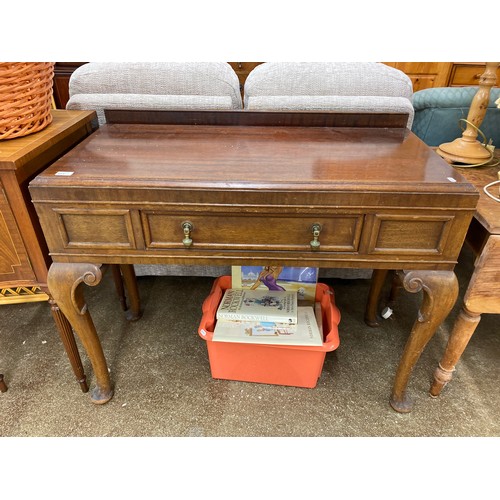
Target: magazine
pixel 258 305
pixel 300 279
pixel 305 332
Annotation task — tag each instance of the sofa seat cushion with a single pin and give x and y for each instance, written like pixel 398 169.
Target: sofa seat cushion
pixel 340 104
pixel 99 102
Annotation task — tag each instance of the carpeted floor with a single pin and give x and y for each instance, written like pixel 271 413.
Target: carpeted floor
pixel 164 389
pixel 163 385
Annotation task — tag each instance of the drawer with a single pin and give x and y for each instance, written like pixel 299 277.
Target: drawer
pixel 265 231
pixel 468 74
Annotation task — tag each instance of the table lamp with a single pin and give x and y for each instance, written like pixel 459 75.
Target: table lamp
pixel 467 150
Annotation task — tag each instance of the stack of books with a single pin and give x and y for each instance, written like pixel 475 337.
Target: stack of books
pixel 266 317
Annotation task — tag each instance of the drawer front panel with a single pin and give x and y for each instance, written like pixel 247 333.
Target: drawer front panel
pixel 96 228
pixel 412 235
pixel 254 232
pixel 468 74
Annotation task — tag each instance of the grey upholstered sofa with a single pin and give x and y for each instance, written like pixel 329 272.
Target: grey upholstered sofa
pixel 162 85
pixel 329 86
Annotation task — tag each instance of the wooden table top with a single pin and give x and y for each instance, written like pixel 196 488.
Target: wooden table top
pixel 487 210
pixel 253 157
pixel 15 152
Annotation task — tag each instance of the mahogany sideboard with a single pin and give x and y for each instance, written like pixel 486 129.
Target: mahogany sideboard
pixel 483 291
pixel 24 256
pixel 228 188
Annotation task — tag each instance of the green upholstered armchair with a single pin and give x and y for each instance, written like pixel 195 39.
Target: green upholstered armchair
pixel 438 112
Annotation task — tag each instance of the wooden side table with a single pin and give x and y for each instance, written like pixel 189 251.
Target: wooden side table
pixel 483 292
pixel 224 188
pixel 24 256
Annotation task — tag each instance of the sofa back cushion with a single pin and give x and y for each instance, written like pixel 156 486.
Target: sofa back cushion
pixel 329 86
pixel 162 85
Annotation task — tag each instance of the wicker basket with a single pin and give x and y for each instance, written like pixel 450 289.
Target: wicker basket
pixel 25 98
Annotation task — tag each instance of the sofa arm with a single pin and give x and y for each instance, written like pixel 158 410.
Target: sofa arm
pixel 438 112
pixel 444 97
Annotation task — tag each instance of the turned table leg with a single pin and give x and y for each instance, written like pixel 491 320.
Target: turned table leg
pixel 464 327
pixel 377 282
pixel 440 292
pixel 118 280
pixel 134 311
pixel 64 282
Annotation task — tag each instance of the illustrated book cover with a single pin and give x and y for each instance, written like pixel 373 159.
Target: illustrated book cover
pixel 281 278
pixel 258 305
pixel 304 333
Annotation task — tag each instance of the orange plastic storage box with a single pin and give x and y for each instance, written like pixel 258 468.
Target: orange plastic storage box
pixel 298 366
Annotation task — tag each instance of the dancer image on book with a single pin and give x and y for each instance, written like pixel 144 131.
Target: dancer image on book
pixel 269 276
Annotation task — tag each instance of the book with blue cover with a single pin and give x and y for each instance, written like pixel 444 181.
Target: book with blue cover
pixel 299 279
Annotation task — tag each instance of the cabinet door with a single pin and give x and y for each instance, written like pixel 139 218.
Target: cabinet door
pixel 14 262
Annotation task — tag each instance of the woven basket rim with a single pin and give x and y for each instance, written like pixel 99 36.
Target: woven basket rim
pixel 25 98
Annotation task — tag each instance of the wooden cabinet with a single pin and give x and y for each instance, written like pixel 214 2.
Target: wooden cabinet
pixel 243 69
pixel 62 74
pixel 24 257
pixel 442 74
pixel 425 74
pixel 14 262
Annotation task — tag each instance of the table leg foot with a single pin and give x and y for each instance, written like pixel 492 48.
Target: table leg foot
pixel 83 384
pixel 404 405
pixel 99 397
pixel 440 291
pixel 3 385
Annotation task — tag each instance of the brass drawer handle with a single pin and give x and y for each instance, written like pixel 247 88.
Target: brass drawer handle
pixel 187 227
pixel 316 229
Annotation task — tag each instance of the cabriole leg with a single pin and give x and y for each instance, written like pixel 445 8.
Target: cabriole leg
pixel 440 292
pixel 64 282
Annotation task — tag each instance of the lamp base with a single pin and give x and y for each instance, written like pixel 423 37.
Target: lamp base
pixel 462 151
